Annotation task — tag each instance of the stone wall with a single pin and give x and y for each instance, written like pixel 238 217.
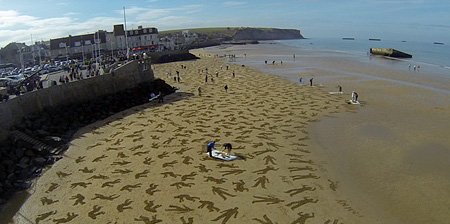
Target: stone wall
pixel 124 77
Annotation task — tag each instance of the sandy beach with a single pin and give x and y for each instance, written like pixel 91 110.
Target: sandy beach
pixel 305 156
pixel 391 155
pixel 149 164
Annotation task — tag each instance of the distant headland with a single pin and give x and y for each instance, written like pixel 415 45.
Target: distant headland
pixel 232 35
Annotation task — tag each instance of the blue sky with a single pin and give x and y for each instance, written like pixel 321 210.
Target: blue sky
pixel 411 20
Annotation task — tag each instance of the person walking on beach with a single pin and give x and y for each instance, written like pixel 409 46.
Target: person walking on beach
pixel 199 91
pixel 311 82
pixel 226 88
pixel 356 97
pixel 234 75
pixel 206 78
pixel 301 80
pixel 210 147
pixel 340 88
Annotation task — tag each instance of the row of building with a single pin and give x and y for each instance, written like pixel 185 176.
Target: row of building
pixel 92 45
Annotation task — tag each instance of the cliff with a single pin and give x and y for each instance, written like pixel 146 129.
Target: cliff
pixel 266 34
pixel 218 35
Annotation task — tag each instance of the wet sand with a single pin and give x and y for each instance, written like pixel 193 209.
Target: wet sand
pixel 149 164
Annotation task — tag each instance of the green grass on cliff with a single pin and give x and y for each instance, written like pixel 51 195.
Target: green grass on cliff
pixel 212 31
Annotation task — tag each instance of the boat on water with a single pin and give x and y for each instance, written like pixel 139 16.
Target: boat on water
pixel 348 38
pixel 375 39
pixel 389 52
pixel 438 43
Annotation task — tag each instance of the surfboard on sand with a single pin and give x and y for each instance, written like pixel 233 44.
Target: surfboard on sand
pixel 222 155
pixel 353 102
pixel 336 93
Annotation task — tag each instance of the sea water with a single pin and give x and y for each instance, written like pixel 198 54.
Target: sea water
pixel 424 53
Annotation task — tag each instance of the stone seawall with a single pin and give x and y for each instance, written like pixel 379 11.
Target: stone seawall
pixel 125 77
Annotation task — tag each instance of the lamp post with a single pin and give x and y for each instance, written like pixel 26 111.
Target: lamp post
pixel 67 53
pixel 82 50
pixel 21 58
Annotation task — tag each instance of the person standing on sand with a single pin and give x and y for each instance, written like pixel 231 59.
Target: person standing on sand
pixel 199 91
pixel 301 81
pixel 340 88
pixel 206 78
pixel 311 82
pixel 234 75
pixel 210 147
pixel 356 97
pixel 226 88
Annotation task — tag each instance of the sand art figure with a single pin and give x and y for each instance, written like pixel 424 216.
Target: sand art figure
pixel 79 199
pixel 294 205
pixel 103 197
pixel 261 181
pixel 96 212
pixel 125 205
pixel 265 221
pixel 70 217
pixel 179 209
pixel 227 214
pixel 304 188
pixel 44 216
pixel 222 192
pixel 130 187
pixel 152 189
pixel 183 197
pixel 150 206
pixel 147 220
pixel 270 200
pixel 47 201
pixel 303 217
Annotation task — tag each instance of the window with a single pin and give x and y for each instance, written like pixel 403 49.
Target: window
pixel 136 32
pixel 87 42
pixel 77 44
pixel 61 45
pixel 145 30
